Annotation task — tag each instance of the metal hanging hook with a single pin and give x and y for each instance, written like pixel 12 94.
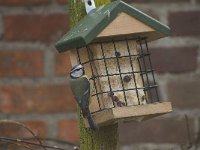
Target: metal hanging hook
pixel 89 5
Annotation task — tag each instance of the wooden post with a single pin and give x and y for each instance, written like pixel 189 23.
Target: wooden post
pixel 105 138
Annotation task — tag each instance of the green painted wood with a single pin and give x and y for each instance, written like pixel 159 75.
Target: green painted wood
pixel 105 138
pixel 92 24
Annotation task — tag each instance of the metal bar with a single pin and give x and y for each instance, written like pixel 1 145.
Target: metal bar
pixel 143 55
pixel 142 88
pixel 118 64
pixel 150 87
pixel 154 81
pixel 142 80
pixel 145 68
pixel 128 48
pixel 107 58
pixel 102 50
pixel 98 110
pixel 114 74
pixel 94 81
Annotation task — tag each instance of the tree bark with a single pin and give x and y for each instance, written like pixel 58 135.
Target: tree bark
pixel 105 138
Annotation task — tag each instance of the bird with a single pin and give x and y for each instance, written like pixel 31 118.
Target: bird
pixel 80 87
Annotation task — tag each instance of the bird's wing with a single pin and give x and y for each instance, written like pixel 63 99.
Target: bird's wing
pixel 86 95
pixel 81 89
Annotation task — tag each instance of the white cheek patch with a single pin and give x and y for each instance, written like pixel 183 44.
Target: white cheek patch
pixel 77 73
pixel 80 72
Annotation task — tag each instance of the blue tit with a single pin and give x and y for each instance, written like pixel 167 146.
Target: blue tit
pixel 80 86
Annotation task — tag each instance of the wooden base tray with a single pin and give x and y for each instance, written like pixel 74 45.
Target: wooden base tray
pixel 131 113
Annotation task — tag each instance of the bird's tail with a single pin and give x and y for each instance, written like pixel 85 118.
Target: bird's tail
pixel 91 122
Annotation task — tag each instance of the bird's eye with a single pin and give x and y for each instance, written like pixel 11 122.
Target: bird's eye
pixel 78 69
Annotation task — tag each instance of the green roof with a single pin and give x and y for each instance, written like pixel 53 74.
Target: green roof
pixel 92 24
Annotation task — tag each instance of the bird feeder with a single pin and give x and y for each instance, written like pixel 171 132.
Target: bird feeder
pixel 111 42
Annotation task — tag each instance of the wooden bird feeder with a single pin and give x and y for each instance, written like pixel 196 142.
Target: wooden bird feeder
pixel 111 42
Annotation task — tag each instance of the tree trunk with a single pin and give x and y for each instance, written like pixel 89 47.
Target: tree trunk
pixel 105 138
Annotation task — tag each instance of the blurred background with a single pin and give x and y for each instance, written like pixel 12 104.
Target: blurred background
pixel 33 84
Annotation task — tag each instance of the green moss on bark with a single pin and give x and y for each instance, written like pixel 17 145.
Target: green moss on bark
pixel 105 138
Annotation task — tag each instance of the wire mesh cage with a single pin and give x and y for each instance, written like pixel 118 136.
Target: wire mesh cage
pixel 121 73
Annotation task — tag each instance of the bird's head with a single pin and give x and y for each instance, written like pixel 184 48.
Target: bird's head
pixel 77 71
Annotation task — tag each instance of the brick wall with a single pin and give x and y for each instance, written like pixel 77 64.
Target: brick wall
pixel 33 84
